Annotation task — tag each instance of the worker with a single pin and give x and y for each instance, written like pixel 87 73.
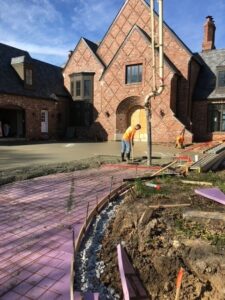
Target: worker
pixel 180 140
pixel 128 141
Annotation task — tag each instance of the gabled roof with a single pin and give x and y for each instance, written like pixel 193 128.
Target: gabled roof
pixel 92 46
pixel 207 79
pixel 148 40
pixel 165 24
pixel 47 78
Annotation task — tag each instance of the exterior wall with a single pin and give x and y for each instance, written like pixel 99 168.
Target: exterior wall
pixel 165 126
pixel 32 107
pixel 200 124
pixel 185 93
pixel 137 12
pixel 194 72
pixel 199 118
pixel 84 60
pixel 125 44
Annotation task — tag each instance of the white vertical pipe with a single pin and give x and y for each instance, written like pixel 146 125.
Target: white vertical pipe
pixel 153 46
pixel 155 91
pixel 161 46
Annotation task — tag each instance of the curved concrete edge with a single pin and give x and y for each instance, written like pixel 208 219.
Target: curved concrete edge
pixel 116 192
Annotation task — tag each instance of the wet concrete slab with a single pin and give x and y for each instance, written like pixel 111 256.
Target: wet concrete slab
pixel 14 156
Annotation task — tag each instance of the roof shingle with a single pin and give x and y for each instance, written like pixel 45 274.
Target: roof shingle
pixel 206 87
pixel 47 78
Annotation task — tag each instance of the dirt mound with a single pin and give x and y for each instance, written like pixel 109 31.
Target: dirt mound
pixel 160 241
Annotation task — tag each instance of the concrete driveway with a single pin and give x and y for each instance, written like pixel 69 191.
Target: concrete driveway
pixel 46 153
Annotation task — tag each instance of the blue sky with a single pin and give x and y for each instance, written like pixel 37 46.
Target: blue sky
pixel 48 29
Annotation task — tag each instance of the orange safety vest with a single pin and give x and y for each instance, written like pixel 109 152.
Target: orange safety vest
pixel 180 139
pixel 129 134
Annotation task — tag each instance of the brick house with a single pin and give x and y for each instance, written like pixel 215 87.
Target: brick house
pixel 209 96
pixel 109 81
pixel 33 101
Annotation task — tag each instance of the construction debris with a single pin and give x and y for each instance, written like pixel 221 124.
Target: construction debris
pixel 208 162
pixel 145 217
pixel 196 182
pixel 178 205
pixel 196 214
pixel 164 168
pixel 217 149
pixel 178 283
pixel 153 185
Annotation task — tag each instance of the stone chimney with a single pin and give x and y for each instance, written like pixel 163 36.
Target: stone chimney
pixel 70 53
pixel 209 34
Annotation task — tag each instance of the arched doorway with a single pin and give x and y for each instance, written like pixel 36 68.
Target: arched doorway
pixel 12 121
pixel 130 111
pixel 138 116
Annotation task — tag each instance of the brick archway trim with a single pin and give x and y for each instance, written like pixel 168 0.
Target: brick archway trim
pixel 123 113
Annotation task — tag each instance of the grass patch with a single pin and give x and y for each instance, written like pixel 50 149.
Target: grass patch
pixel 19 174
pixel 217 179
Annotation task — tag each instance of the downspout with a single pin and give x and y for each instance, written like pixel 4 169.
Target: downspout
pixel 155 91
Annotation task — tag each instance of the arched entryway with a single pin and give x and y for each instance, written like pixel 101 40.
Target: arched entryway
pixel 130 111
pixel 137 116
pixel 12 122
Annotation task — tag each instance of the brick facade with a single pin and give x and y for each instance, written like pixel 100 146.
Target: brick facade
pixel 188 84
pixel 32 107
pixel 201 123
pixel 128 42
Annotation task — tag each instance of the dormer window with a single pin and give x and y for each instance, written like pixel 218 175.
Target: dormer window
pixel 221 79
pixel 28 76
pixel 24 68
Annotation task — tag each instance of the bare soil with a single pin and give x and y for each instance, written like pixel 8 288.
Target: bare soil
pixel 161 241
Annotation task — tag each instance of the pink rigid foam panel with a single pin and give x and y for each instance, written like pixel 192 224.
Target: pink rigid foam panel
pixel 131 284
pixel 214 194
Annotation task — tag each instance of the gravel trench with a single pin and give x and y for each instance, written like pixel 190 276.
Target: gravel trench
pixel 88 267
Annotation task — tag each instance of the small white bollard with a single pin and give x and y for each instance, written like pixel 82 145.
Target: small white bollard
pixel 196 157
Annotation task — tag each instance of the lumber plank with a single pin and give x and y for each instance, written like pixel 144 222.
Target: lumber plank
pixel 197 182
pixel 165 168
pixel 204 215
pixel 170 205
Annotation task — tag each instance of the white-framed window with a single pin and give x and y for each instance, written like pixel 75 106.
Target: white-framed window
pixel 44 121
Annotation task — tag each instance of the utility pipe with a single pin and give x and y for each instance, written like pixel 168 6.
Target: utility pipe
pixel 155 91
pixel 153 46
